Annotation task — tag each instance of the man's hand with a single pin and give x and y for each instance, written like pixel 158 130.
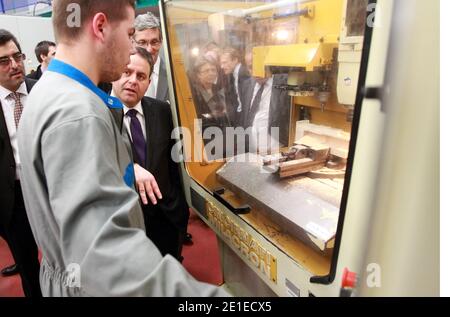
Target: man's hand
pixel 146 185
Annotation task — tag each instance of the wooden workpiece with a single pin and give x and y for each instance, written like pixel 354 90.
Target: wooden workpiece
pixel 301 166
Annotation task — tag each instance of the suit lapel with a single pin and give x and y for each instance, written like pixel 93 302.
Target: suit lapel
pixel 250 87
pixel 4 134
pixel 4 137
pixel 161 92
pixel 29 83
pixel 243 79
pixel 150 129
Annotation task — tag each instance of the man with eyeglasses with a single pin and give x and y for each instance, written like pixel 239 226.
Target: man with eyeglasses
pixel 14 224
pixel 148 35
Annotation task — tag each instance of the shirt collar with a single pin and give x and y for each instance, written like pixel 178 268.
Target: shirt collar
pixel 267 83
pixel 60 67
pixel 138 108
pixel 4 93
pixel 157 65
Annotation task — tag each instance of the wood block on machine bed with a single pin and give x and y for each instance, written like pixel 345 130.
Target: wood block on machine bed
pixel 301 166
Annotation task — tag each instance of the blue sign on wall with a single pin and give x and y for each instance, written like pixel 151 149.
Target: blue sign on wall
pixel 8 5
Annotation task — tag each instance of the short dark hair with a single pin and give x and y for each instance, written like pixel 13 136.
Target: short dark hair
pixel 234 54
pixel 42 48
pixel 6 36
pixel 142 52
pixel 89 8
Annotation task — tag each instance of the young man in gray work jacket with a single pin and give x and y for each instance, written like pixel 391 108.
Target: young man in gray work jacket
pixel 77 171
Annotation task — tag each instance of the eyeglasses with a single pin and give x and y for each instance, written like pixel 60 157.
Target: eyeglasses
pixel 18 57
pixel 145 44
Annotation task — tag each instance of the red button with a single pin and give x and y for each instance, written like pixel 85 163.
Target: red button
pixel 348 279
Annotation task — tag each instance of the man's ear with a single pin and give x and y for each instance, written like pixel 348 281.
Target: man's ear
pixel 99 23
pixel 43 57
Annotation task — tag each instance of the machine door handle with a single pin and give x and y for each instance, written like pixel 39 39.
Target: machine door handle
pixel 374 93
pixel 323 280
pixel 244 209
pixel 378 93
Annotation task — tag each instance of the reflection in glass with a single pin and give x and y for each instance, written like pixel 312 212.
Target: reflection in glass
pixel 273 85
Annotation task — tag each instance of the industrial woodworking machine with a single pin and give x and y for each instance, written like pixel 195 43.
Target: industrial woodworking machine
pixel 286 219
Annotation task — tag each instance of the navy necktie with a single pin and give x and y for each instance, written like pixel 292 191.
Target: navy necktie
pixel 138 137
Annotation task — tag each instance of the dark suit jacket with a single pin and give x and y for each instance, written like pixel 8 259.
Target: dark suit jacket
pixel 280 107
pixel 159 126
pixel 162 91
pixel 244 83
pixel 7 167
pixel 36 75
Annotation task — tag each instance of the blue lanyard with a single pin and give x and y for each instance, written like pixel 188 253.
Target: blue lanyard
pixel 60 67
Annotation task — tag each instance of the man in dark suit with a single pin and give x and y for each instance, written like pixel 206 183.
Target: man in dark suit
pixel 236 84
pixel 14 225
pixel 267 107
pixel 45 51
pixel 148 36
pixel 149 123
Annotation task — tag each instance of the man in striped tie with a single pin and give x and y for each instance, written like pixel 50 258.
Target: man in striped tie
pixel 14 224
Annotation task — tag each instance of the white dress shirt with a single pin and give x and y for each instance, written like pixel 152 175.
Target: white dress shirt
pixel 261 140
pixel 127 119
pixel 8 105
pixel 153 88
pixel 236 85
